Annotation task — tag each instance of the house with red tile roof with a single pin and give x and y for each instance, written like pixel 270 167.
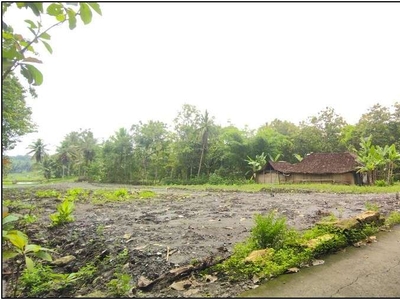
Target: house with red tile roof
pixel 314 168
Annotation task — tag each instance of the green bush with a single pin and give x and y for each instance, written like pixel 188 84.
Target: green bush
pixel 381 183
pixel 216 179
pixel 269 231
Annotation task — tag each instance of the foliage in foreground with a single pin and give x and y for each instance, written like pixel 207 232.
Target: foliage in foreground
pixel 286 248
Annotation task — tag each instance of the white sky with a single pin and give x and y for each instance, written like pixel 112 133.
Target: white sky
pixel 245 62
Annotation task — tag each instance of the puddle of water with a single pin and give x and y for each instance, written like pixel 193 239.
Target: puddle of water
pixel 28 182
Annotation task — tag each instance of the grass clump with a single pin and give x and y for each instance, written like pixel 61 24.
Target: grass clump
pixel 371 206
pixel 393 219
pixel 269 231
pixel 146 194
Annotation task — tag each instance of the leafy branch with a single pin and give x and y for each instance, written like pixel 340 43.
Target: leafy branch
pixel 15 46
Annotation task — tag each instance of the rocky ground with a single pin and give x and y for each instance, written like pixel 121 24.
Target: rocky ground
pixel 176 229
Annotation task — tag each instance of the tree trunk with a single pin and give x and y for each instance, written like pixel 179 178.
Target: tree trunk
pixel 201 160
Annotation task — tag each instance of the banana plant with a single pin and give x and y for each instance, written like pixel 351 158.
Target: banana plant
pixel 256 164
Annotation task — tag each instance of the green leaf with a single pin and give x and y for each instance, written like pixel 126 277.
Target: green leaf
pixel 37 8
pixel 32 60
pixel 32 248
pixel 54 9
pixel 9 218
pixel 85 13
pixel 44 255
pixel 17 238
pixel 25 72
pixel 33 31
pixel 36 75
pixel 96 7
pixel 71 18
pixel 61 17
pixel 48 47
pixel 45 36
pixel 9 254
pixel 29 263
pixel 7 35
pixel 26 44
pixel 33 25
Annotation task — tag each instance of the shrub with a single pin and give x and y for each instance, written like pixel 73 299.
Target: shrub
pixel 216 179
pixel 269 231
pixel 381 183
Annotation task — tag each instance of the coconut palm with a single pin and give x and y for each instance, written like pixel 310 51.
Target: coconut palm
pixel 205 128
pixel 38 150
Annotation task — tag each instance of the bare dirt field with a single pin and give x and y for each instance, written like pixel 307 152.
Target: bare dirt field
pixel 175 229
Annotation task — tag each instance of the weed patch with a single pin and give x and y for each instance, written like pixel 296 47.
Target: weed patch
pixel 393 219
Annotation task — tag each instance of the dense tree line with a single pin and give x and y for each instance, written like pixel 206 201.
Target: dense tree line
pixel 197 150
pixel 21 164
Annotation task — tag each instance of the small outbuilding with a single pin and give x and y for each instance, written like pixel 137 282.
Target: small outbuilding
pixel 314 168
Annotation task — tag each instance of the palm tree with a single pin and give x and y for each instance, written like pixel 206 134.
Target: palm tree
pixel 206 124
pixel 38 149
pixel 66 155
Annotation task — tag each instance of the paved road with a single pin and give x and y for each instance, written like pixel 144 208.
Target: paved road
pixel 370 271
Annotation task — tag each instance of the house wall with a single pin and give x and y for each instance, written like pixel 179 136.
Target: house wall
pixel 275 177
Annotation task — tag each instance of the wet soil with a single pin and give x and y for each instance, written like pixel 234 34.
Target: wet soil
pixel 174 229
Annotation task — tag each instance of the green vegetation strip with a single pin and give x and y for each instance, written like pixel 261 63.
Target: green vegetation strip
pixel 273 248
pixel 293 188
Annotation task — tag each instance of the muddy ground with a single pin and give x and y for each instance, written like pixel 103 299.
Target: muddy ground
pixel 187 225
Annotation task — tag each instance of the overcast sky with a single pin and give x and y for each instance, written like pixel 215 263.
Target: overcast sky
pixel 247 63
